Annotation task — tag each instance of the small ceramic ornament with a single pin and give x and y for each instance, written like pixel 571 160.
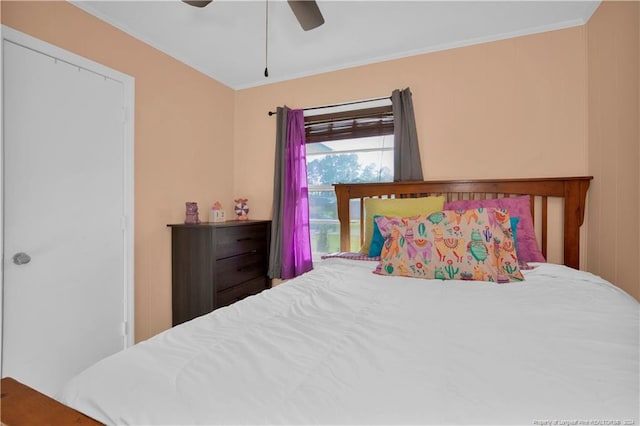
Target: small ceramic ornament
pixel 191 213
pixel 241 208
pixel 216 214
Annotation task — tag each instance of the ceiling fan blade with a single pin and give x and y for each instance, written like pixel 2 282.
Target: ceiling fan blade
pixel 197 3
pixel 307 12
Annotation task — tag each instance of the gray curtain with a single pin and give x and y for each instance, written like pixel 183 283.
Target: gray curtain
pixel 275 252
pixel 406 152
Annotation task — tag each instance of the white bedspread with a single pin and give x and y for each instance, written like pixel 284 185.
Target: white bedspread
pixel 341 345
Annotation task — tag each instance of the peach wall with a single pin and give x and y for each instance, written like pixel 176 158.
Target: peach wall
pixel 511 108
pixel 613 42
pixel 183 138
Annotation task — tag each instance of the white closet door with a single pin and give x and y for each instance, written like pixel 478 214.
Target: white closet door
pixel 64 208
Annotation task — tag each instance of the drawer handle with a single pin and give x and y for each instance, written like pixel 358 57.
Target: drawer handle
pixel 244 239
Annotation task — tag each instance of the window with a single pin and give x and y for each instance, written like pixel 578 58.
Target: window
pixel 344 147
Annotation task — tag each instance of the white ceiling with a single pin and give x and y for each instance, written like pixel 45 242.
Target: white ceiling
pixel 226 39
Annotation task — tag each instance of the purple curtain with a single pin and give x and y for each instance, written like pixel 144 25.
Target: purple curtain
pixel 296 241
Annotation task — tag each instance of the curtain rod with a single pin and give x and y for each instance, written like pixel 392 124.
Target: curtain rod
pixel 337 105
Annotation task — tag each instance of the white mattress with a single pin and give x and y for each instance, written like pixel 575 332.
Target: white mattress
pixel 341 345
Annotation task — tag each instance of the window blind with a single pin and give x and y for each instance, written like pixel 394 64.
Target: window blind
pixel 360 123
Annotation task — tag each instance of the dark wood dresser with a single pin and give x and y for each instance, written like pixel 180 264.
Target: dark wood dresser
pixel 216 264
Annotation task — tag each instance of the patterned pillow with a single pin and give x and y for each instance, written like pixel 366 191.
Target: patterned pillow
pixel 377 241
pixel 528 250
pixel 474 244
pixel 351 255
pixel 396 207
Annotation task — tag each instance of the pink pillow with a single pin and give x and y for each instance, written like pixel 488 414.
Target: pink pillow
pixel 528 250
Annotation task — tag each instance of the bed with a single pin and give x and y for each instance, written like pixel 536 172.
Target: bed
pixel 344 345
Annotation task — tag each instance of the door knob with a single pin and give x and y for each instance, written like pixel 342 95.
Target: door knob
pixel 21 258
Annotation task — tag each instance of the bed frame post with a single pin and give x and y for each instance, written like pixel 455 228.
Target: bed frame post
pixel 343 198
pixel 575 194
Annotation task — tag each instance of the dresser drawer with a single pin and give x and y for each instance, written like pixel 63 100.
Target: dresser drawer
pixel 237 269
pixel 231 241
pixel 240 291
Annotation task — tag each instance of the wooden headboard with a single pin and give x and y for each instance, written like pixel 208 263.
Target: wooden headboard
pixel 572 190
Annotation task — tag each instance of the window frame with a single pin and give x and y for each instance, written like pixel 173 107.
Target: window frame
pixel 376 121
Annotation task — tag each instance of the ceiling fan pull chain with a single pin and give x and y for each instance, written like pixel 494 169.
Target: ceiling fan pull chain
pixel 266 38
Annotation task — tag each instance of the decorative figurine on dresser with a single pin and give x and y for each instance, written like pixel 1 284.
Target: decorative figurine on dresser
pixel 216 214
pixel 241 209
pixel 191 215
pixel 217 264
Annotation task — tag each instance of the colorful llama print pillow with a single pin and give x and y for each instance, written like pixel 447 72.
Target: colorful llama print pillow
pixel 377 240
pixel 474 244
pixel 399 207
pixel 528 250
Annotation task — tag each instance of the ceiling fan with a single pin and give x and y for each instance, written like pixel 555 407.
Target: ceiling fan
pixel 306 11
